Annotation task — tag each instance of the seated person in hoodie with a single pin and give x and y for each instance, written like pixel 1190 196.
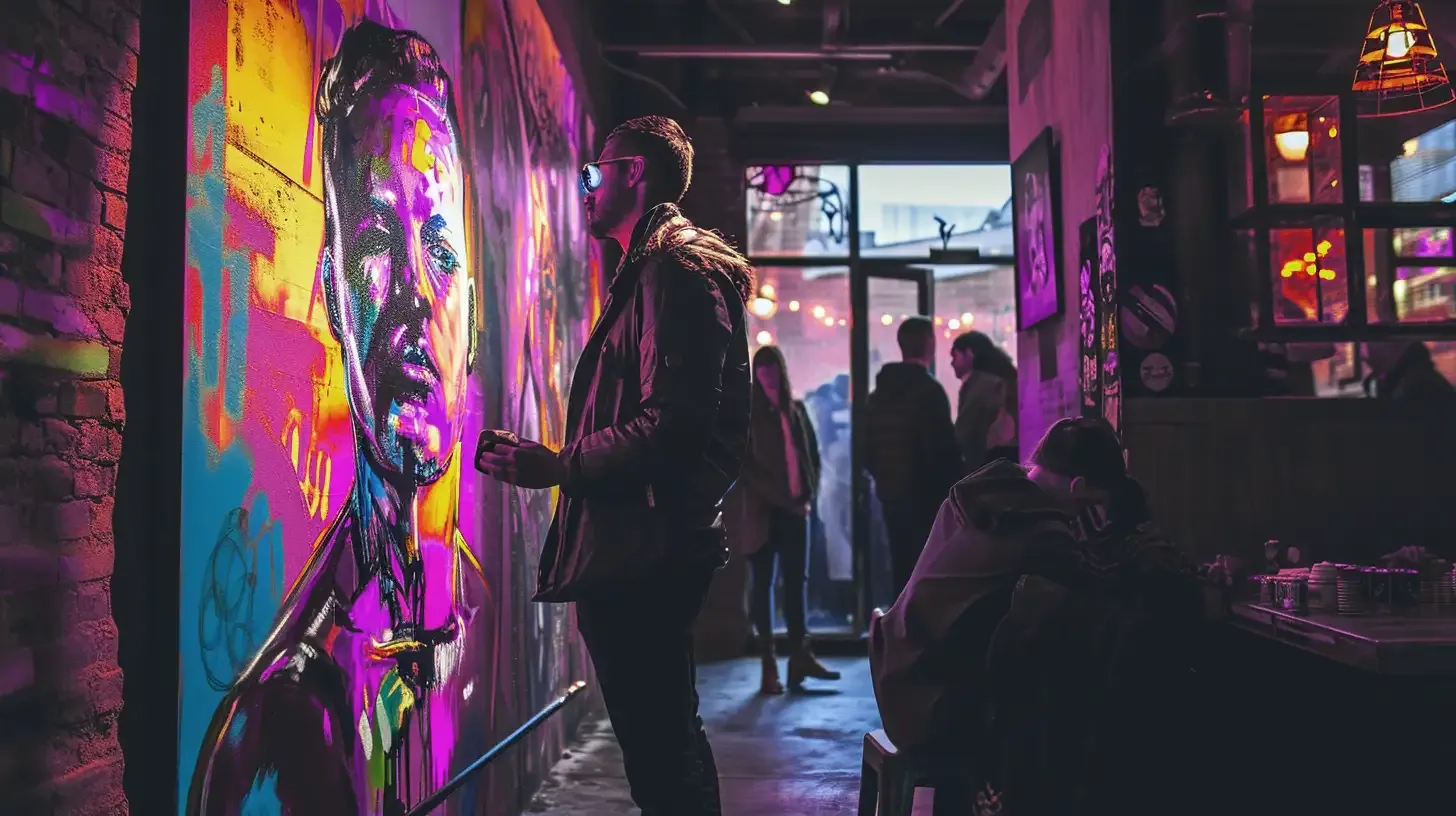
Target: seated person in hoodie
pixel 1072 518
pixel 1089 684
pixel 928 650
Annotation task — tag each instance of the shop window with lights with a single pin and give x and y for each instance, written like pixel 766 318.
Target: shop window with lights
pixel 1345 223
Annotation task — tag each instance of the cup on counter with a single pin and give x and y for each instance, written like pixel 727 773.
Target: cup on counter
pixel 1350 592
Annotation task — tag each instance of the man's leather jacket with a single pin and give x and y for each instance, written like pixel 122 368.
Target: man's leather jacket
pixel 657 420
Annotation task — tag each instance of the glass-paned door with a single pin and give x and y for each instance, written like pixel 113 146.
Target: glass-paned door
pixel 883 295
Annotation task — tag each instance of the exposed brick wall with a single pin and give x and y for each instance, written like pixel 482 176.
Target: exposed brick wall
pixel 67 72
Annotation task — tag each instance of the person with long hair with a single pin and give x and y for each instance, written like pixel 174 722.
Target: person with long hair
pixel 768 515
pixel 986 414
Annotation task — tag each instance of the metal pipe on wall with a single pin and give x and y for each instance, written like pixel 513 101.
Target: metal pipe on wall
pixel 838 52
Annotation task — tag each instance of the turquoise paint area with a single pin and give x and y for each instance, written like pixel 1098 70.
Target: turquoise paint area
pixel 262 800
pixel 232 562
pixel 207 251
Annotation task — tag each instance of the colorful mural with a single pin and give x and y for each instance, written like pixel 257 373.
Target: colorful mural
pixel 384 255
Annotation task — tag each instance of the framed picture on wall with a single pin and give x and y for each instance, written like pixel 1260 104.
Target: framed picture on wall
pixel 1034 195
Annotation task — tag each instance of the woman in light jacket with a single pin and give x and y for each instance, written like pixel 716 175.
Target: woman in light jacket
pixel 768 512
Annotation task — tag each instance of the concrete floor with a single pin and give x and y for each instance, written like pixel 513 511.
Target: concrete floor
pixel 795 755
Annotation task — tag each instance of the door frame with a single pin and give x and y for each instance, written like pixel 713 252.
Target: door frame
pixel 861 270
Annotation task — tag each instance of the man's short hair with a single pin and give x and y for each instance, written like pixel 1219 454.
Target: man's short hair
pixel 371 59
pixel 666 151
pixel 1086 447
pixel 914 336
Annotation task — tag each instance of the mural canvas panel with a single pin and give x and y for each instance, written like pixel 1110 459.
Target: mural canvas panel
pixel 375 270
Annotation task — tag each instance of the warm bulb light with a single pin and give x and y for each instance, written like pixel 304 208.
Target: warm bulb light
pixel 764 338
pixel 785 2
pixel 954 324
pixel 764 308
pixel 793 305
pixel 886 320
pixel 767 290
pixel 819 97
pixel 818 312
pixel 1398 42
pixel 967 319
pixel 829 321
pixel 1293 145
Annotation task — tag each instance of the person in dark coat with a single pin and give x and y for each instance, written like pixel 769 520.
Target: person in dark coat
pixel 767 516
pixel 656 426
pixel 913 455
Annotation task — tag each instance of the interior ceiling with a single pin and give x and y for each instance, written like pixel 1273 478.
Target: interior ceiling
pixel 720 56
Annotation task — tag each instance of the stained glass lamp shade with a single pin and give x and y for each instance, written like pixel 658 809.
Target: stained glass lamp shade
pixel 1400 68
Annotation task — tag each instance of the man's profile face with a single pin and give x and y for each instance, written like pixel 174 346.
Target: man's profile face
pixel 612 202
pixel 400 280
pixel 961 361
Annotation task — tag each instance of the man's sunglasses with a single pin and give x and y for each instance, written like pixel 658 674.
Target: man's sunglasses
pixel 591 173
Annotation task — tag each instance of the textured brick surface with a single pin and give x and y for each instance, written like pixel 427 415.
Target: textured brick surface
pixel 67 70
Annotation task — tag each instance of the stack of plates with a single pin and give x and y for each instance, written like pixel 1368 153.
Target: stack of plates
pixel 1350 593
pixel 1438 594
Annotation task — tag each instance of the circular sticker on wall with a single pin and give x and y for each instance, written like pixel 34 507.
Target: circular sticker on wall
pixel 1149 316
pixel 1156 372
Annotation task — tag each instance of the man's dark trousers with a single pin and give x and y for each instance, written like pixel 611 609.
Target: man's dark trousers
pixel 641 644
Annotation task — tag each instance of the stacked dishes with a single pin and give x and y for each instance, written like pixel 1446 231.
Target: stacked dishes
pixel 1438 589
pixel 1350 591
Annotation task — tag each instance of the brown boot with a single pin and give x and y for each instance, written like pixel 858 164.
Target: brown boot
pixel 803 665
pixel 770 684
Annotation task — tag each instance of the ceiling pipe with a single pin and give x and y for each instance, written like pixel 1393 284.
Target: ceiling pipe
pixel 838 52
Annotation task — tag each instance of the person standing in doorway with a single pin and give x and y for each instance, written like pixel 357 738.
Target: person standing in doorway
pixel 656 427
pixel 985 423
pixel 768 519
pixel 913 456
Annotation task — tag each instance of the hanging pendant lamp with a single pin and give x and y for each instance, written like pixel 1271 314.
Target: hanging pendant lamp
pixel 1400 69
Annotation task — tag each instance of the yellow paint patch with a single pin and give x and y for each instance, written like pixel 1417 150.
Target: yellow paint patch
pixel 421 157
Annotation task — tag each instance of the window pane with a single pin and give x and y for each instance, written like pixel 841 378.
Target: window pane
pixel 797 211
pixel 1302 149
pixel 1425 294
pixel 1425 170
pixel 1308 269
pixel 900 204
pixel 806 314
pixel 1427 242
pixel 1409 275
pixel 973 298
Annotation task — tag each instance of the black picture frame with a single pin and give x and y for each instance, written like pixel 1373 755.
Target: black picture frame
pixel 1036 219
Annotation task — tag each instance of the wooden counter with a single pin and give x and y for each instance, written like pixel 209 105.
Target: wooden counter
pixel 1383 644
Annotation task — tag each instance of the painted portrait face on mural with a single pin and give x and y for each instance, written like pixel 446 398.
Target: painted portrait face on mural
pixel 401 300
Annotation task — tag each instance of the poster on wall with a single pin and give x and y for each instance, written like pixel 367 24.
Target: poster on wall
pixel 380 260
pixel 1038 267
pixel 1088 293
pixel 1107 297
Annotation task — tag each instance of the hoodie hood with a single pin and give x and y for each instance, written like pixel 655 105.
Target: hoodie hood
pixel 664 230
pixel 999 499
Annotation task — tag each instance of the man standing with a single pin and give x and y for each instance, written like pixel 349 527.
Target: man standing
pixel 913 455
pixel 656 427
